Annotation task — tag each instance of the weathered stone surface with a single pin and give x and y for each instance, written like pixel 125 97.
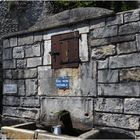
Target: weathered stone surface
pixel 83 28
pixel 116 39
pixel 97 23
pixel 132 106
pixel 18 74
pixel 47 34
pixel 7 64
pixel 33 50
pixel 47 50
pixel 83 48
pixel 109 105
pixel 131 16
pixel 21 63
pixel 77 107
pixel 129 28
pixel 124 61
pixel 27 73
pixel 72 16
pixel 34 62
pixel 7 53
pixel 11 101
pixel 38 37
pixel 7 74
pixel 25 40
pixel 104 32
pixel 103 52
pixel 29 102
pixel 123 89
pixel 6 43
pixel 13 41
pixel 31 87
pixel 21 112
pixel 138 41
pixel 21 87
pixel 10 111
pixel 30 73
pixel 87 80
pixel 45 82
pixel 103 64
pixel 108 76
pixel 29 113
pixel 132 74
pixel 118 19
pixel 117 120
pixel 18 52
pixel 126 47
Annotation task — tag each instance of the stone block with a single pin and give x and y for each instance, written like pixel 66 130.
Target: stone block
pixel 108 76
pixel 21 64
pixel 7 74
pixel 132 74
pixel 118 19
pixel 18 74
pixel 25 40
pixel 33 50
pixel 78 107
pixel 123 89
pixel 29 113
pixel 31 87
pixel 10 111
pixel 10 89
pixel 83 48
pixel 105 32
pixel 82 28
pixel 47 50
pixel 9 64
pixel 103 64
pixel 103 52
pixel 126 47
pixel 11 101
pixel 129 28
pixel 124 61
pixel 132 106
pixel 131 16
pixel 47 35
pixel 7 53
pixel 109 105
pixel 13 41
pixel 105 41
pixel 6 43
pixel 97 23
pixel 38 37
pixel 45 81
pixel 21 87
pixel 29 102
pixel 87 80
pixel 18 52
pixel 30 73
pixel 117 120
pixel 34 62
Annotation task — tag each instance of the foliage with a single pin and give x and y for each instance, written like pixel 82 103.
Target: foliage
pixel 117 6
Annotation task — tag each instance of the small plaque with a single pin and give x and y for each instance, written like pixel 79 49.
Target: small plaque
pixel 62 83
pixel 10 88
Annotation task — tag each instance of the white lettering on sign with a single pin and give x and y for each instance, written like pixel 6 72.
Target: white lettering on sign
pixel 10 88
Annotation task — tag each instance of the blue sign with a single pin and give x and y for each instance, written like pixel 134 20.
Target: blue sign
pixel 62 82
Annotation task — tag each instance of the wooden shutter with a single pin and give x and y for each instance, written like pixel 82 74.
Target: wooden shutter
pixel 65 50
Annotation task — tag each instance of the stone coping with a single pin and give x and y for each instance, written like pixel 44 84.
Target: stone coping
pixel 68 17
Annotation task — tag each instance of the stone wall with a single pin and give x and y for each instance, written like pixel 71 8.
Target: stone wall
pixel 105 88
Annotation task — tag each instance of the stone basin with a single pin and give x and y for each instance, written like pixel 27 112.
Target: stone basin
pixel 29 131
